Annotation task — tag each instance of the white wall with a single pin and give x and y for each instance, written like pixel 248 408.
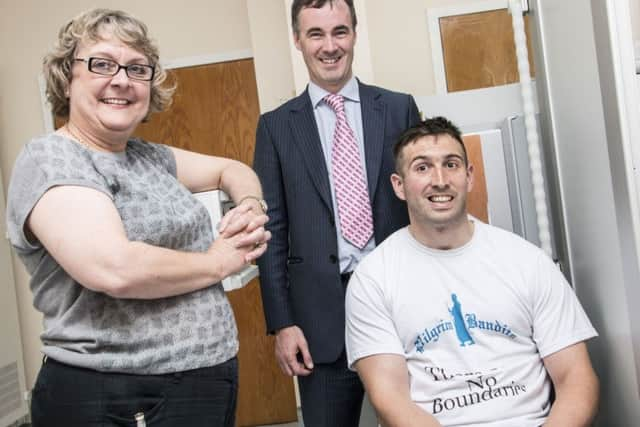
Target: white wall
pixel 28 29
pixel 586 133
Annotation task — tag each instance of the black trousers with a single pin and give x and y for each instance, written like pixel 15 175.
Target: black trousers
pixel 331 396
pixel 68 396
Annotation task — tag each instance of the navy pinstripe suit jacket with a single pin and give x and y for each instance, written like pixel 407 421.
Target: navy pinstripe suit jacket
pixel 299 273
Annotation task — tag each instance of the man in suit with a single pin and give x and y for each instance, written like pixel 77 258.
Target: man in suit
pixel 324 162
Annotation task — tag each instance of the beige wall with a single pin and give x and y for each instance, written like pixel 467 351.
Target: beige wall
pixel 400 50
pixel 270 41
pixel 28 29
pixel 400 44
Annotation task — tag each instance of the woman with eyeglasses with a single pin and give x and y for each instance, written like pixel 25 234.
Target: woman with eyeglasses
pixel 137 328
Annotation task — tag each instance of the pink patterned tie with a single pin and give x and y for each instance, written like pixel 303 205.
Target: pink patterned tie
pixel 352 195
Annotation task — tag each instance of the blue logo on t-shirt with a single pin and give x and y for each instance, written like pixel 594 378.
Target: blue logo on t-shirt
pixel 462 323
pixel 461 329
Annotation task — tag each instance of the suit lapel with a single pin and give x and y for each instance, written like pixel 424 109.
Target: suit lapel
pixel 307 139
pixel 373 112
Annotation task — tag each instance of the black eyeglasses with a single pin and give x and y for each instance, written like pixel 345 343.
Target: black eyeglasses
pixel 108 67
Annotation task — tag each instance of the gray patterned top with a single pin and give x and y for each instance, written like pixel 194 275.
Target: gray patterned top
pixel 91 329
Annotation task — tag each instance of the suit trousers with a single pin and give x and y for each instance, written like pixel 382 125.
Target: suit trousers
pixel 331 396
pixel 76 397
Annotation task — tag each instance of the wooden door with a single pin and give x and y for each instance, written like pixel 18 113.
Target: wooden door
pixel 215 111
pixel 478 50
pixel 477 199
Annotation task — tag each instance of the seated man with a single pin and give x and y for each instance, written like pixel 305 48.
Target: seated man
pixel 451 321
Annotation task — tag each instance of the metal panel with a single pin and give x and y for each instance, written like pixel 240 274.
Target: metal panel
pixel 499 203
pixel 514 131
pixel 520 182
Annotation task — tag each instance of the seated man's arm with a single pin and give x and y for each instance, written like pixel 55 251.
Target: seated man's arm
pixel 386 379
pixel 576 387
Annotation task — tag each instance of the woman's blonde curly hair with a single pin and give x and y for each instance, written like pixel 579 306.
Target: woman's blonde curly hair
pixel 91 26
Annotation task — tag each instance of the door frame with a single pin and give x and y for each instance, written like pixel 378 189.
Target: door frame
pixel 188 61
pixel 433 27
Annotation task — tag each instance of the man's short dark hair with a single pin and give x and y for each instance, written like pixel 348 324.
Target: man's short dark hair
pixel 429 127
pixel 298 5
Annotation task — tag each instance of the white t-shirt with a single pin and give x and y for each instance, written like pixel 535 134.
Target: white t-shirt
pixel 473 323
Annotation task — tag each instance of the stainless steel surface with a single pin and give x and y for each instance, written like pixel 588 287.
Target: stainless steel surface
pixel 500 205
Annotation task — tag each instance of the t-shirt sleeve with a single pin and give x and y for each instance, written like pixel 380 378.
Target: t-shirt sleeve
pixel 369 328
pixel 37 169
pixel 558 317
